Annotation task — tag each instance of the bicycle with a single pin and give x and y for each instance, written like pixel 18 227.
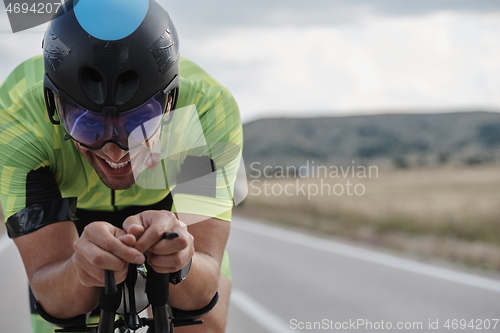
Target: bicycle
pixel 165 318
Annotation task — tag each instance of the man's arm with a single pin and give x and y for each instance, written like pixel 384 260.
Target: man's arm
pixel 198 289
pixel 64 270
pixel 167 256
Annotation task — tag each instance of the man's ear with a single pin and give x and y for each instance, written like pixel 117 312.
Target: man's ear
pixel 169 104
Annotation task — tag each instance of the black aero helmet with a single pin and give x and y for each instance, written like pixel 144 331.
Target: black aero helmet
pixel 110 56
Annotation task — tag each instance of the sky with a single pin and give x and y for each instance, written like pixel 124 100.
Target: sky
pixel 295 58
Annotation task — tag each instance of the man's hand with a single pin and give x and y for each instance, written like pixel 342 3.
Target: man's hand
pixel 103 246
pixel 149 228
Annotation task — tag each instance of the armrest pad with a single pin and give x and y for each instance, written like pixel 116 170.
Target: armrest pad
pixel 195 314
pixel 80 320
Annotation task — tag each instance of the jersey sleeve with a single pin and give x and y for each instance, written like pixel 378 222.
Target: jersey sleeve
pixel 220 121
pixel 27 185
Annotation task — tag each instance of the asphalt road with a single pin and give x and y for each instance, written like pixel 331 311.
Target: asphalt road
pixel 14 309
pixel 283 281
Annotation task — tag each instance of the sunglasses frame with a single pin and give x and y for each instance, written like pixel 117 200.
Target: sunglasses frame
pixel 51 90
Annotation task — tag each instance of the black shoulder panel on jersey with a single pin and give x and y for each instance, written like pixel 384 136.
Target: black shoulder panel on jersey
pixel 197 177
pixel 38 215
pixel 41 186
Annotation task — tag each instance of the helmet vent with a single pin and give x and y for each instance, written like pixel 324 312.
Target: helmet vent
pixel 126 86
pixel 93 85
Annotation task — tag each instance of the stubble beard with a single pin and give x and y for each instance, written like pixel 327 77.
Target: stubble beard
pixel 121 183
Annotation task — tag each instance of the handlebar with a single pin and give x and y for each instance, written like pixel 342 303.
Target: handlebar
pixel 157 290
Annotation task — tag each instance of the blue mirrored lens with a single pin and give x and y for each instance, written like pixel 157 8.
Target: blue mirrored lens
pixel 94 129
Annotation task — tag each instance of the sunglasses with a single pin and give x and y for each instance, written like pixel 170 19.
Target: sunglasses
pixel 93 130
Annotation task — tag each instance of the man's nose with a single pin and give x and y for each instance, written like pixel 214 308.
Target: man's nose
pixel 114 152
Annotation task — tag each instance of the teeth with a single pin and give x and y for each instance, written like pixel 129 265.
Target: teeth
pixel 117 165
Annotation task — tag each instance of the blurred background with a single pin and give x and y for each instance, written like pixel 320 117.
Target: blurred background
pixel 409 87
pixel 332 89
pixel 332 57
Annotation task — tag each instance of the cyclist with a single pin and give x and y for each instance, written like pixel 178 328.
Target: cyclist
pixel 67 186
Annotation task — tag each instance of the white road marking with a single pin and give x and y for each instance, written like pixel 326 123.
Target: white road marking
pixel 366 255
pixel 259 313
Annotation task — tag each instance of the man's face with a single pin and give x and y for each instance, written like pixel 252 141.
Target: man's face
pixel 112 165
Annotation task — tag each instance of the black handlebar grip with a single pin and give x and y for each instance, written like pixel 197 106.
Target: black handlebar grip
pixel 160 317
pixel 109 303
pixel 109 283
pixel 157 287
pixel 157 291
pixel 106 322
pixel 133 320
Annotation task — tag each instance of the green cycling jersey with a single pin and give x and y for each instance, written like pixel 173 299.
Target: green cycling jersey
pixel 38 166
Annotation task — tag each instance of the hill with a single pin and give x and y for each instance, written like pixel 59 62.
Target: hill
pixel 400 140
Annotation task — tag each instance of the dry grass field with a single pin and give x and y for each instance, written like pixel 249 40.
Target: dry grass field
pixel 447 213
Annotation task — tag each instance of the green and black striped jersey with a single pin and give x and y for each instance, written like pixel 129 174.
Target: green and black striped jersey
pixel 38 165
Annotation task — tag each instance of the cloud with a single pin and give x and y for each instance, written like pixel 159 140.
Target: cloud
pixel 375 63
pixel 439 61
pixel 17 47
pixel 205 18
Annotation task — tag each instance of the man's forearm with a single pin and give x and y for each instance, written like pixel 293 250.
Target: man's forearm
pixel 58 290
pixel 202 282
pixel 200 286
pixel 48 257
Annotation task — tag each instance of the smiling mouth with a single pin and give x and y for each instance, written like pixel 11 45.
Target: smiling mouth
pixel 117 165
